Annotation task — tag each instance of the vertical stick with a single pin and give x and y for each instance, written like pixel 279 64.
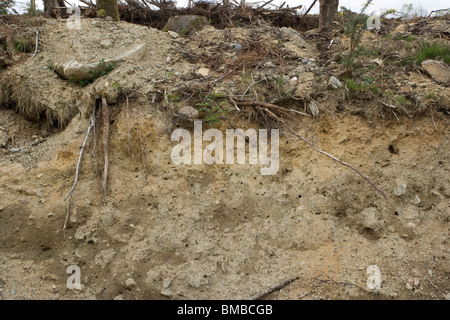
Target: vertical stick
pixel 105 118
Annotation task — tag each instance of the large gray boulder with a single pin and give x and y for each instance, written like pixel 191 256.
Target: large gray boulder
pixel 438 70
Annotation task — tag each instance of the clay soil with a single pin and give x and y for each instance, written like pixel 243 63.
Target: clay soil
pixel 169 231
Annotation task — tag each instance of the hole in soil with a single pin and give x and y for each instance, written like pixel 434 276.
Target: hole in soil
pixel 393 149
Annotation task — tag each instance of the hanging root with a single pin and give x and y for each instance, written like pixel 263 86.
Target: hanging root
pixel 77 172
pixel 266 106
pixel 105 119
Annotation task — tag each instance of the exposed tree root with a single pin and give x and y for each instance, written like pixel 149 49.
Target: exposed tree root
pixel 77 172
pixel 105 120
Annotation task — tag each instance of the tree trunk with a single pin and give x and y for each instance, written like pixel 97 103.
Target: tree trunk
pixel 328 11
pixel 110 8
pixel 51 7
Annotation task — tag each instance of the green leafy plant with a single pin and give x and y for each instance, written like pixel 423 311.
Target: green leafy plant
pixel 214 111
pixel 283 88
pixel 101 13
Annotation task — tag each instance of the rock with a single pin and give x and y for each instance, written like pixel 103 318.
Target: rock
pixel 173 34
pixel 79 71
pixel 106 43
pixel 189 112
pixel 104 257
pixel 417 200
pixel 119 297
pixel 313 108
pixel 237 46
pixel 186 25
pixel 204 72
pixel 413 283
pixel 14 149
pixel 370 219
pixel 129 283
pixel 400 190
pixel 438 70
pixel 305 61
pixel 335 83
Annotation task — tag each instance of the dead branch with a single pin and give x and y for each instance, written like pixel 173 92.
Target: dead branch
pixel 271 289
pixel 310 7
pixel 105 119
pixel 438 11
pixel 265 106
pixel 77 171
pixel 89 4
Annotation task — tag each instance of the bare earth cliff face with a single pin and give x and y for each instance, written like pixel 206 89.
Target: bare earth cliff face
pixel 169 231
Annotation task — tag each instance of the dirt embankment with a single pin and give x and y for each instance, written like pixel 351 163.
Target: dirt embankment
pixel 220 231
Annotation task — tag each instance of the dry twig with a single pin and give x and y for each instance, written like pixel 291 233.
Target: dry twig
pixel 271 289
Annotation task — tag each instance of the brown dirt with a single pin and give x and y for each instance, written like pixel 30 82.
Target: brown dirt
pixel 224 231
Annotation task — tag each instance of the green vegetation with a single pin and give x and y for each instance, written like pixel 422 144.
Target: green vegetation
pixel 101 13
pixel 434 51
pixel 354 28
pixel 20 45
pixel 214 111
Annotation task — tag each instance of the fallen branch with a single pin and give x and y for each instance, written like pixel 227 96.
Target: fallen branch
pixel 271 289
pixel 77 171
pixel 265 107
pixel 105 119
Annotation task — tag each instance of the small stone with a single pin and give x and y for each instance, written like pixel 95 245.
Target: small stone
pixel 416 200
pixel 50 214
pixel 335 83
pixel 106 43
pixel 189 112
pixel 129 283
pixel 119 297
pixel 400 190
pixel 409 286
pixel 108 18
pixel 39 175
pixel 430 272
pixel 305 61
pixel 237 46
pixel 173 34
pixel 204 72
pixel 14 149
